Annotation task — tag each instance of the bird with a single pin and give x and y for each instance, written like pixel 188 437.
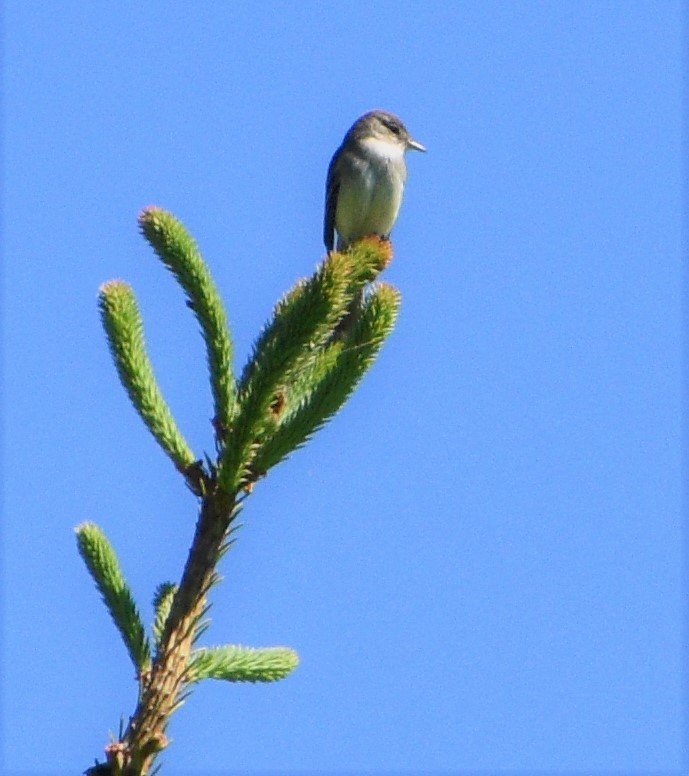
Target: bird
pixel 366 178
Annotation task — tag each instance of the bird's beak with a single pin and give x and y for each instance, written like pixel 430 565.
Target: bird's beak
pixel 415 145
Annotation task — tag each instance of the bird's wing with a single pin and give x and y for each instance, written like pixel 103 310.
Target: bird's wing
pixel 332 187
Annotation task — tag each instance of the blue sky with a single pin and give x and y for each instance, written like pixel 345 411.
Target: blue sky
pixel 480 559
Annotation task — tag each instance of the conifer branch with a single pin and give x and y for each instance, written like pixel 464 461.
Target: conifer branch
pixel 232 663
pixel 302 322
pixel 343 364
pixel 162 604
pixel 101 561
pixel 124 329
pixel 166 686
pixel 298 343
pixel 179 253
pixel 303 367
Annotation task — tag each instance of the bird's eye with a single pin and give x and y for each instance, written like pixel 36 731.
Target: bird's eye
pixel 394 128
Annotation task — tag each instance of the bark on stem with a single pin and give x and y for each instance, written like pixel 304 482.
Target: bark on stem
pixel 161 692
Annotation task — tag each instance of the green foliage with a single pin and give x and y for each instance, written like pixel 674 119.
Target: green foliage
pixel 301 324
pixel 321 339
pixel 162 604
pixel 242 664
pixel 180 254
pixel 302 345
pixel 104 567
pixel 368 257
pixel 332 378
pixel 124 330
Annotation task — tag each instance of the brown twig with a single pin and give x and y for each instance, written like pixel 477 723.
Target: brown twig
pixel 162 688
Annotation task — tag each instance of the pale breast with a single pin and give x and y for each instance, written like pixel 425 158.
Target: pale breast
pixel 369 201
